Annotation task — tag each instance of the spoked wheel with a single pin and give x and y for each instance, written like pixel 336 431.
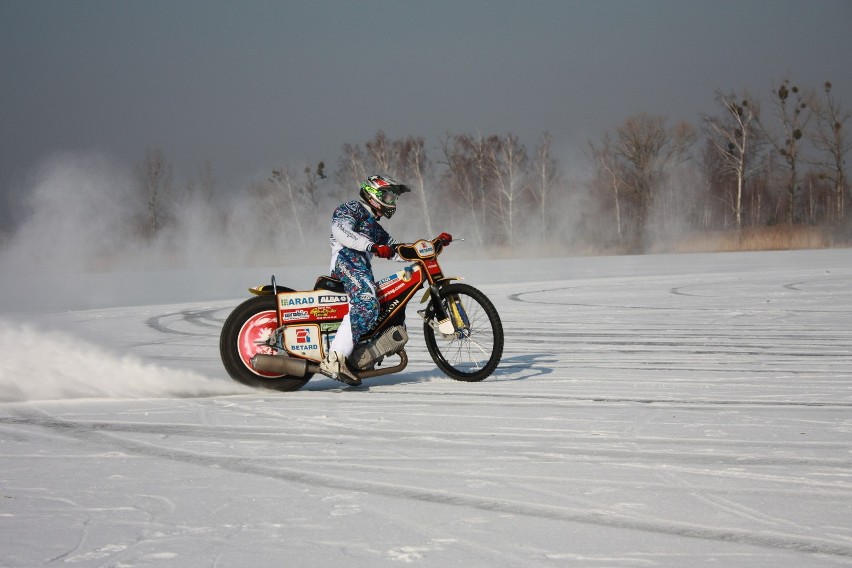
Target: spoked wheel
pixel 473 351
pixel 249 325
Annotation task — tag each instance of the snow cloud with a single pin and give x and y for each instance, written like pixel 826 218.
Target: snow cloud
pixel 39 365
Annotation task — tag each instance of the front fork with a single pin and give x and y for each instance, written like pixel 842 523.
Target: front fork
pixel 452 325
pixel 458 316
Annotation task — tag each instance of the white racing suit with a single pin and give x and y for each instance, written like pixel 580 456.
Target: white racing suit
pixel 353 229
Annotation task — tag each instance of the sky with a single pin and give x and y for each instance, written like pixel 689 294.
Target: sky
pixel 254 85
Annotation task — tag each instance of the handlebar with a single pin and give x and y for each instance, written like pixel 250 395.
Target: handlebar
pixel 420 250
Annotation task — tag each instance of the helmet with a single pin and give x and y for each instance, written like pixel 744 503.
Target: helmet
pixel 380 193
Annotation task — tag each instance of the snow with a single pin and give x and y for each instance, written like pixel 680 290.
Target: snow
pixel 682 410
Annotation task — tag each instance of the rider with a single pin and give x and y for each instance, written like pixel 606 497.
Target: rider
pixel 355 237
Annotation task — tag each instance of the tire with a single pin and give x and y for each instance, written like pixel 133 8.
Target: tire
pixel 251 321
pixel 475 351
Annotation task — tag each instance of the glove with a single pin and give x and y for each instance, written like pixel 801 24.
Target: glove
pixel 381 251
pixel 445 238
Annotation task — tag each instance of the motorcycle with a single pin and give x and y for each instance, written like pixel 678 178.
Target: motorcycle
pixel 277 338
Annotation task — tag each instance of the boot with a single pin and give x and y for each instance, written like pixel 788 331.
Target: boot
pixel 334 366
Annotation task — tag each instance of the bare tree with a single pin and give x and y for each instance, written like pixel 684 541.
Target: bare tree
pixel 310 188
pixel 206 183
pixel 609 177
pixel 466 178
pixel 472 174
pixel 645 148
pixel 545 178
pixel 380 152
pixel 480 149
pixel 201 192
pixel 154 176
pixel 793 111
pixel 284 184
pixel 414 167
pixel 832 139
pixel 715 177
pixel 352 167
pixel 508 161
pixel 734 136
pixel 640 141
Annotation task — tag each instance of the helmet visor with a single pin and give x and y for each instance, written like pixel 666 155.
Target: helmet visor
pixel 388 197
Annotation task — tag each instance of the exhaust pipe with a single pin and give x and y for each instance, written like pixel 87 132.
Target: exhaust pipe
pixel 279 365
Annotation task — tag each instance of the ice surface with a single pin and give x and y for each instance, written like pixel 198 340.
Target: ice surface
pixel 673 411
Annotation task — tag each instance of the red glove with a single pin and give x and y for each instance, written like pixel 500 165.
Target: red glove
pixel 445 238
pixel 381 251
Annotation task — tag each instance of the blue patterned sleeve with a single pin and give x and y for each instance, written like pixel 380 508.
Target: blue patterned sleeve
pixel 344 228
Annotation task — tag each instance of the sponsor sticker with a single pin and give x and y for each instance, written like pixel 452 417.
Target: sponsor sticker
pixel 424 248
pixel 432 266
pixel 288 301
pixel 388 308
pixel 302 339
pixel 391 290
pixel 323 312
pixel 387 280
pixel 295 315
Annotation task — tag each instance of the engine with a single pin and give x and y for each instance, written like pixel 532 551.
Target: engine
pixel 373 351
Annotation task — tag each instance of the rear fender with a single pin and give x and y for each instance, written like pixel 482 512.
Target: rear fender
pixel 269 290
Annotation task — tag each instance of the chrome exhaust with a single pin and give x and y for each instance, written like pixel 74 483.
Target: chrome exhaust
pixel 280 365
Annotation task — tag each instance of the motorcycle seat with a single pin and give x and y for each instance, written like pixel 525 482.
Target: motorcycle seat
pixel 330 284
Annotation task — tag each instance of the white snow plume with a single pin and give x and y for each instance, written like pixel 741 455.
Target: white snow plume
pixel 77 209
pixel 79 242
pixel 51 365
pixel 84 213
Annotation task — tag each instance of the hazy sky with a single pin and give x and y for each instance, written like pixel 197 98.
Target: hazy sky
pixel 251 85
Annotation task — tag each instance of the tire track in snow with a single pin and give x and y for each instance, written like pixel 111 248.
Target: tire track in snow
pixel 837 284
pixel 575 449
pixel 195 318
pixel 723 503
pixel 763 538
pixel 556 400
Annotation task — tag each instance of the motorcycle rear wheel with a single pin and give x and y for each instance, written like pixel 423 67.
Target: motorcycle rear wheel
pixel 473 352
pixel 252 322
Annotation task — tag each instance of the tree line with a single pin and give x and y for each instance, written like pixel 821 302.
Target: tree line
pixel 749 163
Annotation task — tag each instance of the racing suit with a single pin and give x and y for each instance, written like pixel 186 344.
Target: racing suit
pixel 354 228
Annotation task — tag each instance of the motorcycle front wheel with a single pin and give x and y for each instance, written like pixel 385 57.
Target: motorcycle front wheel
pixel 474 350
pixel 243 335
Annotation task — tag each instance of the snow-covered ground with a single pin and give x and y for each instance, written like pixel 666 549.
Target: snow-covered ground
pixel 683 410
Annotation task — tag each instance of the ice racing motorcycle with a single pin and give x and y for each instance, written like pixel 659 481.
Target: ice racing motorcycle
pixel 277 338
